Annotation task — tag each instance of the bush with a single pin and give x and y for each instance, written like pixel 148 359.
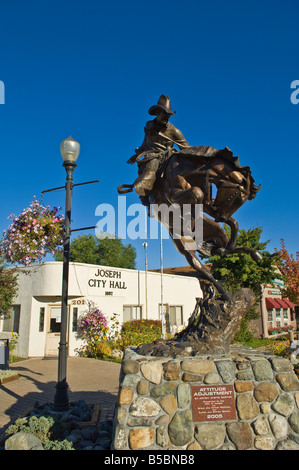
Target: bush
pixel 136 332
pixel 244 334
pixel 46 429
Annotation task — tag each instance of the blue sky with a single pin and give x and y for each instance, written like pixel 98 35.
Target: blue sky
pixel 92 69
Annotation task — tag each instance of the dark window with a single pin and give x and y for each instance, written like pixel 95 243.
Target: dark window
pixel 55 320
pixel 12 321
pixel 41 319
pixel 75 319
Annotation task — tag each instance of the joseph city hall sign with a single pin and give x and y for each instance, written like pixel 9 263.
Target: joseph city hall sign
pixel 106 281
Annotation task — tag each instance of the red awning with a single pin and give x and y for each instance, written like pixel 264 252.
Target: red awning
pixel 289 303
pixel 272 303
pixel 278 303
pixel 282 303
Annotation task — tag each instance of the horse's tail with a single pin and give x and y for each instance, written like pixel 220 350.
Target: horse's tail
pixel 125 188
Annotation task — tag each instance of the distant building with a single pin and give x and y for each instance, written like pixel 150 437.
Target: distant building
pixel 275 311
pixel 36 311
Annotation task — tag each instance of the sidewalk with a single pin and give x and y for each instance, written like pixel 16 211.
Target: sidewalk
pixel 90 380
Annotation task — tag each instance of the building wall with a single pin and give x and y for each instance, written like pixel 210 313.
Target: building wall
pixel 109 289
pixel 277 314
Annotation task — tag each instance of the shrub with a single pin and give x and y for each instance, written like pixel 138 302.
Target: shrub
pixel 136 332
pixel 39 427
pixel 245 334
pixel 45 428
pixel 280 348
pixel 12 345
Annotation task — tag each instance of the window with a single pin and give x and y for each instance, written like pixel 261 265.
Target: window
pixel 132 312
pixel 285 316
pixel 55 320
pixel 75 319
pixel 41 319
pixel 176 314
pixel 12 321
pixel 165 310
pixel 278 317
pixel 270 316
pixel 174 317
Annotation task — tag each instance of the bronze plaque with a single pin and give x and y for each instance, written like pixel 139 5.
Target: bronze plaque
pixel 213 403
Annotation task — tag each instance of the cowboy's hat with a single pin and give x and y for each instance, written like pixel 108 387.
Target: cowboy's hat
pixel 163 104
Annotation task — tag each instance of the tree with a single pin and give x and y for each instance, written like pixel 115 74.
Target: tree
pixel 105 252
pixel 8 288
pixel 289 267
pixel 239 270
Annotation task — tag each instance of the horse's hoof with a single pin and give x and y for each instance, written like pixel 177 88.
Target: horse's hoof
pixel 222 251
pixel 219 251
pixel 257 256
pixel 226 297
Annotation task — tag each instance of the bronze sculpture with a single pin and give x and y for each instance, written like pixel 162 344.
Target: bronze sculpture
pixel 168 176
pixel 160 137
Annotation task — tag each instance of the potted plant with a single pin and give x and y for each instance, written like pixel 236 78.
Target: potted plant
pixel 38 230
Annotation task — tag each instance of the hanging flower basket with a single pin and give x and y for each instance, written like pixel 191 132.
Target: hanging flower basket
pixel 37 231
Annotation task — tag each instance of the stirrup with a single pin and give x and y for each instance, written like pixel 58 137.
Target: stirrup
pixel 125 188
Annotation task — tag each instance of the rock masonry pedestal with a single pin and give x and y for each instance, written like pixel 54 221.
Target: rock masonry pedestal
pixel 158 407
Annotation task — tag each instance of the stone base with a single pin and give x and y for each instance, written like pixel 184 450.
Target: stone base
pixel 155 404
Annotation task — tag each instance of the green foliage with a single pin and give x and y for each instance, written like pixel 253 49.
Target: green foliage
pixel 45 428
pixel 58 445
pixel 245 334
pixel 239 270
pixel 13 341
pixel 138 332
pixel 105 252
pixel 112 252
pixel 7 373
pixel 83 249
pixel 8 287
pixel 39 427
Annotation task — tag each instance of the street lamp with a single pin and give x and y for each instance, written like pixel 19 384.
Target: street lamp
pixel 70 150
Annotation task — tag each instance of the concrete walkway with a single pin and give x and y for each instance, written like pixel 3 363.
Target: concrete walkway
pixel 90 380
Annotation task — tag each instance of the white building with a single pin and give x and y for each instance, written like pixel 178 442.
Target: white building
pixel 36 312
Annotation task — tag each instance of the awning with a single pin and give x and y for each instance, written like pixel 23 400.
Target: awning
pixel 278 303
pixel 282 303
pixel 272 303
pixel 289 303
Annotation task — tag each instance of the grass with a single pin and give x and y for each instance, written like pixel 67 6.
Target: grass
pixel 7 373
pixel 17 359
pixel 262 342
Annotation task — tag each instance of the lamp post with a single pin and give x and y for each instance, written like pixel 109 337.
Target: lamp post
pixel 70 150
pixel 162 287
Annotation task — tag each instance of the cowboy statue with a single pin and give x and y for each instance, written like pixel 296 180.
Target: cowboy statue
pixel 196 176
pixel 157 146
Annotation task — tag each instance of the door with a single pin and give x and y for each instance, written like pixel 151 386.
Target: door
pixel 53 330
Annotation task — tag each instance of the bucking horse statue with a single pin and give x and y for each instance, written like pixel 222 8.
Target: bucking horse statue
pixel 205 176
